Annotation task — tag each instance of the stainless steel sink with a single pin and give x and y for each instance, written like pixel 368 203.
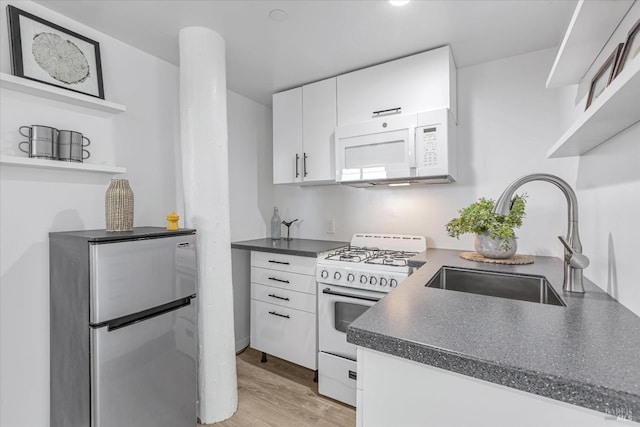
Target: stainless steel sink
pixel 511 286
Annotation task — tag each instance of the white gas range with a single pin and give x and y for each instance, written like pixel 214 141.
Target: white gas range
pixel 350 280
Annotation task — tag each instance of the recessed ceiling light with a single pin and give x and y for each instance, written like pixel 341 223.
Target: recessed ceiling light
pixel 278 15
pixel 398 2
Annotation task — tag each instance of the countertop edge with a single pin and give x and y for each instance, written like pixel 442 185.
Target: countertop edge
pixel 550 386
pixel 308 254
pixel 297 247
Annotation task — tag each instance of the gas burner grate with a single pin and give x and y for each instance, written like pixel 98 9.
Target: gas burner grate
pixel 353 254
pixel 391 258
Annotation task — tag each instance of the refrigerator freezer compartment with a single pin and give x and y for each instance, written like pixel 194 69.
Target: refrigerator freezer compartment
pixel 132 276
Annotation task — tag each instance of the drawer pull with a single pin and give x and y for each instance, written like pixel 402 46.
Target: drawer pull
pixel 279 297
pixel 278 262
pixel 280 315
pixel 278 280
pixel 353 375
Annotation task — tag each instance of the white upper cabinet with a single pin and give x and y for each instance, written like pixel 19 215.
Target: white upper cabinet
pixel 304 121
pixel 287 136
pixel 421 82
pixel 318 130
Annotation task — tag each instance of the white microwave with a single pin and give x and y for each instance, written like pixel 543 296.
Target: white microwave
pixel 411 148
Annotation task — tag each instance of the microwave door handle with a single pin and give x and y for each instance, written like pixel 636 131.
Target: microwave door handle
pixel 328 291
pixel 411 143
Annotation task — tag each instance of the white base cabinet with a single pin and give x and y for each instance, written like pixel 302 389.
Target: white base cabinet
pixel 392 391
pixel 283 307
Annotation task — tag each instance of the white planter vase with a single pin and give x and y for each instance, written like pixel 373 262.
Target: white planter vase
pixel 492 248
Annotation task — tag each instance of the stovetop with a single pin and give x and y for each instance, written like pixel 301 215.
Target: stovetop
pixel 372 261
pixel 367 255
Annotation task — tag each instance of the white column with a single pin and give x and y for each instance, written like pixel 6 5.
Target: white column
pixel 204 152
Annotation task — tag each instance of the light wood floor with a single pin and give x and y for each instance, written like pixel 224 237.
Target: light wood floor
pixel 281 394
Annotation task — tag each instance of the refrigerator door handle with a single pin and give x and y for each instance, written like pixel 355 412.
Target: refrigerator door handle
pixel 130 319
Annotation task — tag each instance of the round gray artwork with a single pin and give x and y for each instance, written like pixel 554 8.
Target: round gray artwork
pixel 60 58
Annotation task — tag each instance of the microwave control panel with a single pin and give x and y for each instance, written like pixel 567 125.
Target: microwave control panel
pixel 431 149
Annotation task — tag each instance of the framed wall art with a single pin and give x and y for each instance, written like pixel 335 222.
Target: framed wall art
pixel 48 53
pixel 604 76
pixel 631 47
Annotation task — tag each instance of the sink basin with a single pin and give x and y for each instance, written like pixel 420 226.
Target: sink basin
pixel 511 286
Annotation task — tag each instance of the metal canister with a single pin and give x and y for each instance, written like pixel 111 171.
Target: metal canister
pixel 42 143
pixel 71 146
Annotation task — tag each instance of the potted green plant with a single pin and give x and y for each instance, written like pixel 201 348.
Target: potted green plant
pixel 495 235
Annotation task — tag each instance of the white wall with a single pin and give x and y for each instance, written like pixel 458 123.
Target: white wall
pixel 143 139
pixel 507 121
pixel 609 196
pixel 251 194
pixel 608 185
pixel 36 201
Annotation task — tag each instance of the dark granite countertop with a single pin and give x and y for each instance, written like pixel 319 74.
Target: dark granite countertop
pixel 299 247
pixel 586 353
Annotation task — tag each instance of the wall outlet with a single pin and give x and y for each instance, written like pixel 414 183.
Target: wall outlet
pixel 331 226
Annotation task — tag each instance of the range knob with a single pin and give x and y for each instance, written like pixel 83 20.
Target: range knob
pixel 373 280
pixel 383 281
pixel 350 277
pixel 337 275
pixel 363 279
pixel 393 283
pixel 324 274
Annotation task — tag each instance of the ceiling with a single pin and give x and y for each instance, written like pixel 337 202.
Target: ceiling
pixel 324 38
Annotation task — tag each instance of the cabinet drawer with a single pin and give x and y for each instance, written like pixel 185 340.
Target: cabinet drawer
pixel 284 297
pixel 284 279
pixel 284 332
pixel 292 263
pixel 337 378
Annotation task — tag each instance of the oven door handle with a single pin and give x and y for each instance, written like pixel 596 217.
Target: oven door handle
pixel 342 294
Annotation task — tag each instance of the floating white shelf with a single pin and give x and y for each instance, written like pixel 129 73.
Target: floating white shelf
pixel 617 108
pixel 55 164
pixel 19 84
pixel 592 24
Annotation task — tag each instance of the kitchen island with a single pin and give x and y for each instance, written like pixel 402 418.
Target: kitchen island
pixel 439 353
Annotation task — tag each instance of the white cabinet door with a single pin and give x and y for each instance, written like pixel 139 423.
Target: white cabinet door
pixel 421 82
pixel 287 136
pixel 428 396
pixel 318 130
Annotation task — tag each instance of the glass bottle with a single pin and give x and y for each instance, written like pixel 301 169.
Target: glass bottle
pixel 276 224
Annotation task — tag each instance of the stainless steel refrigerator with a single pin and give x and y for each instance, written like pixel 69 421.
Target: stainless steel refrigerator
pixel 123 328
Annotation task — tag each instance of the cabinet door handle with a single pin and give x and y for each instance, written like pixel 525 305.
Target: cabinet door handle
pixel 280 315
pixel 279 297
pixel 304 164
pixel 278 280
pixel 353 375
pixel 278 262
pixel 297 159
pixel 380 113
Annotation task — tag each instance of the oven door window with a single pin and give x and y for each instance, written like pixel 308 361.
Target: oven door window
pixel 345 313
